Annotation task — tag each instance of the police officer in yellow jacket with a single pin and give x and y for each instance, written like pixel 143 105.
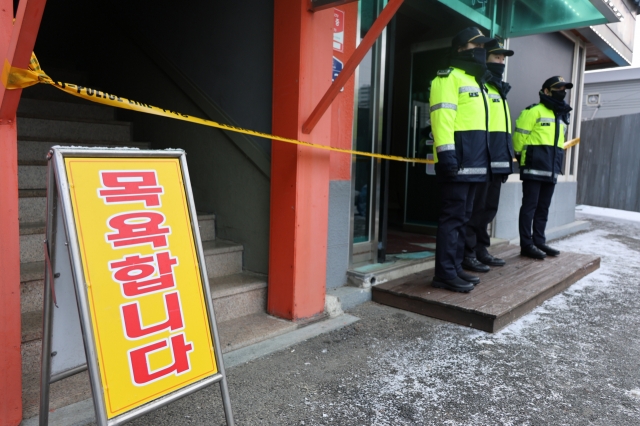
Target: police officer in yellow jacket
pixel 539 143
pixel 459 123
pixel 487 197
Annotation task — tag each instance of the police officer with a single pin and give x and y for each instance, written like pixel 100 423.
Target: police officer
pixel 459 123
pixel 487 197
pixel 539 143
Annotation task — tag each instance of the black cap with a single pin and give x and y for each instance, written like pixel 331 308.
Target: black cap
pixel 469 35
pixel 556 82
pixel 497 48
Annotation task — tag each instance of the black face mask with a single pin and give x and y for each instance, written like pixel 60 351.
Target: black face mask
pixel 476 55
pixel 558 95
pixel 479 55
pixel 556 104
pixel 472 61
pixel 496 69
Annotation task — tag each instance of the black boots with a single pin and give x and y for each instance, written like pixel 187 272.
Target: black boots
pixel 489 260
pixel 472 264
pixel 532 252
pixel 538 251
pixel 549 250
pixel 455 284
pixel 469 278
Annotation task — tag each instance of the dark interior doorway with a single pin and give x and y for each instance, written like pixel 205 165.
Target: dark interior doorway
pixel 417 48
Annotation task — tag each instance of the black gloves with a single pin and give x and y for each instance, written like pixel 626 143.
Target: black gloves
pixel 447 164
pixel 504 178
pixel 450 171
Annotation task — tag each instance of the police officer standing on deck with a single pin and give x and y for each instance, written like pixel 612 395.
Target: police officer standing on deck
pixel 459 123
pixel 487 197
pixel 539 144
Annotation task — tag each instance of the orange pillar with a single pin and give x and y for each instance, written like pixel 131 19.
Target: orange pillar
pixel 16 43
pixel 302 69
pixel 10 333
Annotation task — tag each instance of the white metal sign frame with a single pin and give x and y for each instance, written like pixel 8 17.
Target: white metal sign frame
pixel 62 354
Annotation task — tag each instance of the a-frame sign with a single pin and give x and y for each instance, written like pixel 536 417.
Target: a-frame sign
pixel 126 288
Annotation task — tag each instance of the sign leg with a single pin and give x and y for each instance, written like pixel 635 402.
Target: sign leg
pixel 45 371
pixel 226 401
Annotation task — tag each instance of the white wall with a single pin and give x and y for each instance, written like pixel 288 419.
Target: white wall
pixel 635 62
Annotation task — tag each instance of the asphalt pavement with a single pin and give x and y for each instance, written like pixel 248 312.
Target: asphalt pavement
pixel 575 360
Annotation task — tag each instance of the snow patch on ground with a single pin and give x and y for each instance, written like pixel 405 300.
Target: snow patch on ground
pixel 460 365
pixel 608 213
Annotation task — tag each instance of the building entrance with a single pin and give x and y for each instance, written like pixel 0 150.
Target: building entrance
pixel 421 45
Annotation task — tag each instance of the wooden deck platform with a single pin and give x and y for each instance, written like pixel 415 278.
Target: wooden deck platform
pixel 503 295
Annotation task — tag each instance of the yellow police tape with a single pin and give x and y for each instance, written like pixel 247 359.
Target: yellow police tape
pixel 17 78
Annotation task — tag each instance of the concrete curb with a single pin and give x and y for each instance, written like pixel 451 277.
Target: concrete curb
pixel 82 413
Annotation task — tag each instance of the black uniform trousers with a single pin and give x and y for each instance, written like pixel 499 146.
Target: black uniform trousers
pixel 457 205
pixel 485 208
pixel 536 199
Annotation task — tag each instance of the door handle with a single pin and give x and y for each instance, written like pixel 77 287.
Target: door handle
pixel 416 110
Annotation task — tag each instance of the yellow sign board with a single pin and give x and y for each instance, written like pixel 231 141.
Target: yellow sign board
pixel 143 279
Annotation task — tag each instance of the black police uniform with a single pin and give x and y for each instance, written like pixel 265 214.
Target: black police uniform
pixel 539 141
pixel 487 196
pixel 458 107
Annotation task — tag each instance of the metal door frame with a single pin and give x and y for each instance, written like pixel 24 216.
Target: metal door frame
pixel 368 251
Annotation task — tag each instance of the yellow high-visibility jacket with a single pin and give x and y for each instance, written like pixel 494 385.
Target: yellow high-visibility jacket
pixel 539 138
pixel 500 143
pixel 459 123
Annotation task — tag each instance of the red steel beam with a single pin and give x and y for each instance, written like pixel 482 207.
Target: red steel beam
pixel 16 44
pixel 18 51
pixel 372 35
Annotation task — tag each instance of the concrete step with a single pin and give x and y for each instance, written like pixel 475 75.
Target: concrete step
pixel 74 130
pixel 32 205
pixel 31 326
pixel 32 176
pixel 225 257
pixel 56 109
pixel 48 92
pixel 365 276
pixel 244 331
pixel 234 334
pixel 222 257
pixel 239 303
pixel 32 236
pixel 207 225
pixel 30 150
pixel 65 392
pixel 32 182
pixel 65 74
pixel 238 295
pixel 31 286
pixel 32 271
pixel 233 297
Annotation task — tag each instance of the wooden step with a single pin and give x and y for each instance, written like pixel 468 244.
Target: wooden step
pixel 504 294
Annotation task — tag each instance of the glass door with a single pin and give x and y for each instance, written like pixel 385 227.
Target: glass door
pixel 422 192
pixel 367 136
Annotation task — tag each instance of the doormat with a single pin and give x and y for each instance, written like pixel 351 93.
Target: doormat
pixel 399 242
